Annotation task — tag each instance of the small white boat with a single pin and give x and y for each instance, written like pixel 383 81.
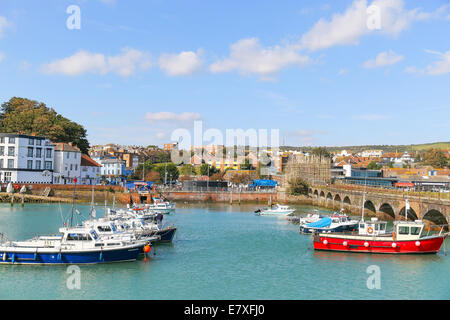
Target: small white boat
pixel 275 210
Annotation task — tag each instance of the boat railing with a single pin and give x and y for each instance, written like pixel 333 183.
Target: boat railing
pixel 435 230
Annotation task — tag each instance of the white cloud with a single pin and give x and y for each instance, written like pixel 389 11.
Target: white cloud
pixel 123 64
pixel 383 59
pixel 184 63
pixel 347 28
pixel 342 72
pixel 247 56
pixel 437 68
pixel 441 66
pixel 3 24
pixel 161 135
pixel 170 116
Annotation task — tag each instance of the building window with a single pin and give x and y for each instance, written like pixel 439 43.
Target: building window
pixel 48 165
pixel 8 176
pixel 2 140
pixel 2 151
pixel 1 163
pixel 12 140
pixel 48 153
pixel 71 167
pixel 76 167
pixel 38 153
pixel 31 141
pixel 38 164
pixel 30 152
pixel 38 142
pixel 30 164
pixel 68 154
pixel 10 163
pixel 11 151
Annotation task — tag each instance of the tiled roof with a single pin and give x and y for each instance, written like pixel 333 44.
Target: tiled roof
pixel 86 161
pixel 61 146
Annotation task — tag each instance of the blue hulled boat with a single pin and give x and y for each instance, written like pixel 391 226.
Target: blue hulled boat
pixel 335 223
pixel 73 246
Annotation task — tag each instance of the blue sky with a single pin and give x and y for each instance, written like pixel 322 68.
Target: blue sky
pixel 322 72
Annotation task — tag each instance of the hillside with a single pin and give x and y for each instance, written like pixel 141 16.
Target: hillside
pixel 387 148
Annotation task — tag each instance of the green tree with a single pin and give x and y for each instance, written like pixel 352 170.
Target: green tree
pixel 204 171
pixel 298 186
pixel 29 116
pixel 435 158
pixel 321 152
pixel 246 165
pixel 373 166
pixel 187 170
pixel 170 168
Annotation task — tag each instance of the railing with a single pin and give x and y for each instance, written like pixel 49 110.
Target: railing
pixel 219 190
pixel 444 196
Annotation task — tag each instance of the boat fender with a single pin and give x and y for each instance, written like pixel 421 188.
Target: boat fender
pixel 4 256
pixel 366 244
pixel 418 243
pixel 394 244
pixel 393 235
pixel 13 258
pixel 370 230
pixel 59 256
pixel 325 242
pixel 35 256
pixel 345 243
pixel 147 248
pixel 101 256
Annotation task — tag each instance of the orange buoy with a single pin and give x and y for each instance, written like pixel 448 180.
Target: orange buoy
pixel 147 248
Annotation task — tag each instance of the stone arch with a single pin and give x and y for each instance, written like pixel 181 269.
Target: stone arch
pixel 329 196
pixel 386 212
pixel 316 193
pixel 369 208
pixel 322 194
pixel 435 217
pixel 310 190
pixel 347 201
pixel 412 215
pixel 337 197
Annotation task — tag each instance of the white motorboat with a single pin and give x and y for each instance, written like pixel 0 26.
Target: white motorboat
pixel 275 210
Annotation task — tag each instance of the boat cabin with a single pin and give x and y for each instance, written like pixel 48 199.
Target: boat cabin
pixel 372 227
pixel 408 230
pixel 78 234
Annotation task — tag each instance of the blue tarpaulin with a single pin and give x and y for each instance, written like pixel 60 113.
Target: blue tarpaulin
pixel 325 222
pixel 139 185
pixel 263 183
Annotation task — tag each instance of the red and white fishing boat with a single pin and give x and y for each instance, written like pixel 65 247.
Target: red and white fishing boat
pixel 372 237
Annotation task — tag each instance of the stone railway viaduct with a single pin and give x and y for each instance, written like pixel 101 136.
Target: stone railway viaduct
pixel 388 206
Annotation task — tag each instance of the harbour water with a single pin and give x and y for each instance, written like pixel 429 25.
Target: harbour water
pixel 221 252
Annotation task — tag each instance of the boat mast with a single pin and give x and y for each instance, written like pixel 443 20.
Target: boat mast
pixel 73 202
pixel 92 204
pixel 364 198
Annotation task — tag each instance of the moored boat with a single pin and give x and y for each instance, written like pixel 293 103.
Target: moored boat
pixel 275 210
pixel 335 223
pixel 72 246
pixel 407 237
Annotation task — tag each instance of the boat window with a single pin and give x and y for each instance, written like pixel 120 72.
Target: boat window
pixel 383 226
pixel 377 227
pixel 104 228
pixel 113 228
pixel 403 230
pixel 78 237
pixel 361 225
pixel 94 235
pixel 415 230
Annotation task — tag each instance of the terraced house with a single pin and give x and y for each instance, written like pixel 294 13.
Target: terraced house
pixel 25 158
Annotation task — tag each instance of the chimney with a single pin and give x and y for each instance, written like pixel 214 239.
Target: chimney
pixel 70 143
pixel 33 134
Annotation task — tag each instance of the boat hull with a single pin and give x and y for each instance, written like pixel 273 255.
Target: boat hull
pixel 342 228
pixel 166 234
pixel 17 256
pixel 424 245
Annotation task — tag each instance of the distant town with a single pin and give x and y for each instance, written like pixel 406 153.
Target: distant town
pixel 31 159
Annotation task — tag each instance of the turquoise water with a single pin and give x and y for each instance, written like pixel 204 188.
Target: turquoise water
pixel 221 252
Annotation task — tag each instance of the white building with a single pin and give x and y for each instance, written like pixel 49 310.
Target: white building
pixel 67 163
pixel 90 171
pixel 112 167
pixel 25 158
